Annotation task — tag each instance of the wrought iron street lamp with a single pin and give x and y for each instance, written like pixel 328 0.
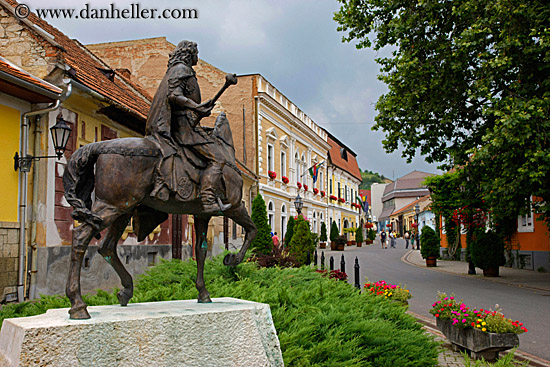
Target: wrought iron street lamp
pixel 61 132
pixel 298 204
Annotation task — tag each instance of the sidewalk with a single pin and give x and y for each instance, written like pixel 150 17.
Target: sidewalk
pixel 517 277
pixel 514 277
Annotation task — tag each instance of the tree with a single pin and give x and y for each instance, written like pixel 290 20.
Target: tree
pixel 323 237
pixel 359 235
pixel 469 84
pixel 334 233
pixel 301 242
pixel 263 242
pixel 289 230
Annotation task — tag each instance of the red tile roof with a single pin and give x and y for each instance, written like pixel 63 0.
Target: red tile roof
pixel 15 71
pixel 347 163
pixel 87 66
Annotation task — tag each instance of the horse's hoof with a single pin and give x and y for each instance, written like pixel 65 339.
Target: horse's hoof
pixel 204 298
pixel 79 313
pixel 230 260
pixel 123 297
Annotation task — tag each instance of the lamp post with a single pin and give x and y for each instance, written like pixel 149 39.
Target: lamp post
pixel 60 136
pixel 298 204
pixel 417 211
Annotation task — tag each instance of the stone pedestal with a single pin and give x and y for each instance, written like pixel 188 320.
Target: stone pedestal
pixel 227 332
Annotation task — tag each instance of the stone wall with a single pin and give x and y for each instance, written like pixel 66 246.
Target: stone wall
pixel 9 258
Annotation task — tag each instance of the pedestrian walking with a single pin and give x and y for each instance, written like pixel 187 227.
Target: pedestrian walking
pixel 392 239
pixel 383 239
pixel 412 241
pixel 275 239
pixel 407 239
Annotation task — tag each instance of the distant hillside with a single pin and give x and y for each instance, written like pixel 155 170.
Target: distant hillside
pixel 369 178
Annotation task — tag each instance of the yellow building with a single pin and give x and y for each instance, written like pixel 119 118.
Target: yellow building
pixel 289 143
pixel 344 178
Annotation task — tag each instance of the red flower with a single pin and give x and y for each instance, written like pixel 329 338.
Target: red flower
pixel 299 185
pixel 285 179
pixel 272 175
pixel 342 200
pixel 305 187
pixel 323 193
pixel 332 197
pixel 315 191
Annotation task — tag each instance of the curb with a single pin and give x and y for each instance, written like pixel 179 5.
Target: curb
pixel 405 259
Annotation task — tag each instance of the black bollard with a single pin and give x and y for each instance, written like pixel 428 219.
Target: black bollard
pixel 315 259
pixel 331 262
pixel 343 264
pixel 308 258
pixel 356 266
pixel 322 260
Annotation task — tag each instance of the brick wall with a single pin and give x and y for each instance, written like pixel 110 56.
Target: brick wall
pixel 9 257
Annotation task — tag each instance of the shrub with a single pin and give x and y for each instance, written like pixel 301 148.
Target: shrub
pixel 359 235
pixel 301 242
pixel 386 290
pixel 334 233
pixel 289 231
pixel 334 274
pixel 372 234
pixel 487 249
pixel 323 237
pixel 278 257
pixel 263 242
pixel 429 243
pixel 319 322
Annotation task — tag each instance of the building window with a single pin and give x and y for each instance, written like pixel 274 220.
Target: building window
pixel 525 223
pixel 321 181
pixel 270 163
pixel 283 221
pixel 330 186
pixel 283 164
pixel 297 166
pixel 339 193
pixel 271 215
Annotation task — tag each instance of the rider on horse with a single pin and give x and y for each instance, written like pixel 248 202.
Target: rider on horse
pixel 173 122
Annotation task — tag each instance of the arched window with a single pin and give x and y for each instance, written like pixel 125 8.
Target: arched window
pixel 271 215
pixel 297 167
pixel 283 221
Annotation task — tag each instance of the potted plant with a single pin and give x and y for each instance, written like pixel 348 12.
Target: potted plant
pixel 334 233
pixel 315 191
pixel 285 180
pixel 429 246
pixel 305 187
pixel 487 251
pixel 299 184
pixel 341 243
pixel 323 237
pixel 359 236
pixel 272 175
pixel 483 332
pixel 323 193
pixel 333 198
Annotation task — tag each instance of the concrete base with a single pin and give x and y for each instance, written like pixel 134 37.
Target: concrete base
pixel 227 332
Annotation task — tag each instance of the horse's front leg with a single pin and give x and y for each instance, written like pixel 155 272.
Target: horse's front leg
pixel 82 236
pixel 201 246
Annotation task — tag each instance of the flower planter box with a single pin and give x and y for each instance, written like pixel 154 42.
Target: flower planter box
pixel 479 343
pixel 322 245
pixel 359 244
pixel 431 261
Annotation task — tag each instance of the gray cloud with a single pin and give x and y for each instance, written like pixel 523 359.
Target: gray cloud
pixel 294 44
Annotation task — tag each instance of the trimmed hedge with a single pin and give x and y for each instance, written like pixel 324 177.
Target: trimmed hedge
pixel 319 321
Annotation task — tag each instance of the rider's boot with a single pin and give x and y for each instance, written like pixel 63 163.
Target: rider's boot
pixel 210 203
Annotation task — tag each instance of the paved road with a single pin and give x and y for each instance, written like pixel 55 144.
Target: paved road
pixel 532 307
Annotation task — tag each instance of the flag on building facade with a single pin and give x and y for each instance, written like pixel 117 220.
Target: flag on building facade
pixel 314 170
pixel 364 203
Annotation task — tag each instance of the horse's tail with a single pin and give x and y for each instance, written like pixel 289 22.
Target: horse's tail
pixel 78 181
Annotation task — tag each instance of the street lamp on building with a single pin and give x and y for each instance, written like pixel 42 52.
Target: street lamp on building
pixel 61 132
pixel 298 204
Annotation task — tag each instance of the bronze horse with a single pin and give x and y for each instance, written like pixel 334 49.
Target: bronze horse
pixel 123 180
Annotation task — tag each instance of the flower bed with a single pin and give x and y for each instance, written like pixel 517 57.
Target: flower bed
pixel 386 290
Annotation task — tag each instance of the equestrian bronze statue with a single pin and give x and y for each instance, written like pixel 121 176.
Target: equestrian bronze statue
pixel 179 167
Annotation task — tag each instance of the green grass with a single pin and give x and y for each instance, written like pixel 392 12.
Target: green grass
pixel 319 321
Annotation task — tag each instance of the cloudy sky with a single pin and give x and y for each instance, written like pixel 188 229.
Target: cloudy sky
pixel 292 43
